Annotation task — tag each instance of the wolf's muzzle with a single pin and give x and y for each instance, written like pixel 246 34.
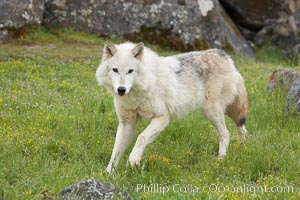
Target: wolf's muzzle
pixel 121 90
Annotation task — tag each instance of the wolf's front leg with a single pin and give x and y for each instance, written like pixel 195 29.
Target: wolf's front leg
pixel 124 134
pixel 156 125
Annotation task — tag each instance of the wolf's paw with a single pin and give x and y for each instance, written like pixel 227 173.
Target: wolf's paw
pixel 135 157
pixel 241 139
pixel 221 157
pixel 109 169
pixel 242 135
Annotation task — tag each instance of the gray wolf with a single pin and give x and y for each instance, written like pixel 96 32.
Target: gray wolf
pixel 289 80
pixel 161 89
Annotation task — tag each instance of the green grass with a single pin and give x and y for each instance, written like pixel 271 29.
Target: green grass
pixel 57 127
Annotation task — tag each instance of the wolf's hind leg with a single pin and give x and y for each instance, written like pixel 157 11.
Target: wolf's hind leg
pixel 216 115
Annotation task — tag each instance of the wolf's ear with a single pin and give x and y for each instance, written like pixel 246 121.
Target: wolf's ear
pixel 109 50
pixel 138 51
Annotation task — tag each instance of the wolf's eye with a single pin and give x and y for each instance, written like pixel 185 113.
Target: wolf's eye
pixel 115 70
pixel 130 71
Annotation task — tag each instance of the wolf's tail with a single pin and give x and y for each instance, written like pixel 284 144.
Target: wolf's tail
pixel 238 112
pixel 239 108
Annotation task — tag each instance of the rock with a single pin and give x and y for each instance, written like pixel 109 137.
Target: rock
pixel 253 14
pixel 284 33
pixel 182 25
pixel 270 21
pixel 3 35
pixel 93 189
pixel 288 79
pixel 15 14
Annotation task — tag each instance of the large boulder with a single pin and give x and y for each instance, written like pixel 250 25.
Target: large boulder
pixel 284 33
pixel 181 24
pixel 253 14
pixel 15 14
pixel 274 21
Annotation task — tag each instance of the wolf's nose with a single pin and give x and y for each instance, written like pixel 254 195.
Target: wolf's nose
pixel 121 90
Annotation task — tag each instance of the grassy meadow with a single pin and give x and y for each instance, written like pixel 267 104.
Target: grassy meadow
pixel 57 126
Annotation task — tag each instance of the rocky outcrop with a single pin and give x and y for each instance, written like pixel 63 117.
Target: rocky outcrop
pixel 93 189
pixel 283 33
pixel 253 14
pixel 16 14
pixel 181 25
pixel 277 21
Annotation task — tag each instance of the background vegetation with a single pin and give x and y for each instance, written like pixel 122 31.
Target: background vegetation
pixel 58 127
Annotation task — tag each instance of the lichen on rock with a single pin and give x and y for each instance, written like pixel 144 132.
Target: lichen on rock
pixel 93 189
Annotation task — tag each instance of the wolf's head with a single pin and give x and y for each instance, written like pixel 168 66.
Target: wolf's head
pixel 120 67
pixel 281 78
